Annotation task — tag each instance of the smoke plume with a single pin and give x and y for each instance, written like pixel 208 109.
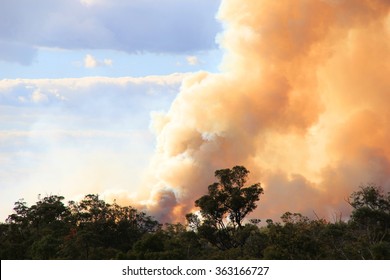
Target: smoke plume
pixel 302 101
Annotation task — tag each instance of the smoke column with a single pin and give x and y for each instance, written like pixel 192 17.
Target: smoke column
pixel 302 101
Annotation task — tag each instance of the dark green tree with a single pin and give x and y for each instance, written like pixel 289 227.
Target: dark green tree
pixel 297 237
pixel 370 221
pixel 35 232
pixel 229 201
pixel 104 230
pixel 225 206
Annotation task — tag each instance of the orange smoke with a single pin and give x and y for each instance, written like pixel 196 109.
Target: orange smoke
pixel 301 101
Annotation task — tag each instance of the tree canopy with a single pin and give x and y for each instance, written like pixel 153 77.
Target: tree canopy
pixel 229 200
pixel 225 206
pixel 94 229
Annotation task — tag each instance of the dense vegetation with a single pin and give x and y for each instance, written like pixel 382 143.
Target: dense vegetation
pixel 94 229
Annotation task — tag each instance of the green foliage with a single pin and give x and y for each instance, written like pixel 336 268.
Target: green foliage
pixel 297 238
pixel 224 208
pixel 229 199
pixel 370 221
pixel 90 229
pixel 94 229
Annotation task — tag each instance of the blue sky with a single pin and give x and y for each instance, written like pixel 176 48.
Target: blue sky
pixel 79 82
pixel 53 39
pixel 60 63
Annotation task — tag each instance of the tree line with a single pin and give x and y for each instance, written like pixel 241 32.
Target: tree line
pixel 95 229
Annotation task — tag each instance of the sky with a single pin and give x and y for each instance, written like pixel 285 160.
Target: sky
pixel 79 81
pixel 142 102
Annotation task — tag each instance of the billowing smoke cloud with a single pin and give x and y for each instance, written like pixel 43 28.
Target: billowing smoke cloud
pixel 301 101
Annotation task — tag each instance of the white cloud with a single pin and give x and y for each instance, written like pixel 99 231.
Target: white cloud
pixel 107 62
pixel 101 98
pixel 38 97
pixel 92 62
pixel 192 60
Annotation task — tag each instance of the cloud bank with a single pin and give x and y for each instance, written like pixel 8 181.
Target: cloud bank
pixel 302 102
pixel 170 26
